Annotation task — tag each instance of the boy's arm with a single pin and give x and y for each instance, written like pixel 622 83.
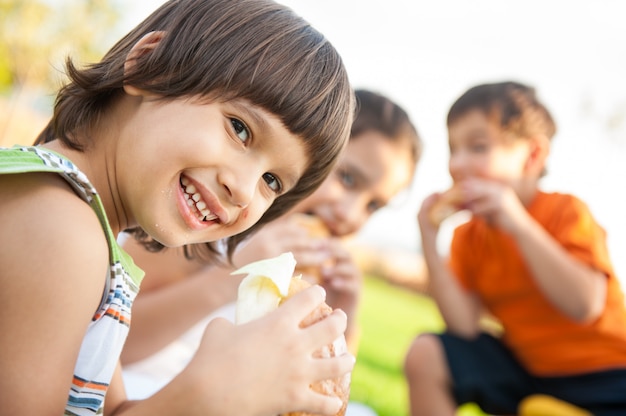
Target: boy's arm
pixel 576 289
pixel 573 287
pixel 459 308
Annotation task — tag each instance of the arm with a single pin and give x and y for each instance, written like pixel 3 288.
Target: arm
pixel 459 308
pixel 234 364
pixel 53 268
pixel 343 282
pixel 176 293
pixel 341 277
pixel 194 290
pixel 49 299
pixel 573 287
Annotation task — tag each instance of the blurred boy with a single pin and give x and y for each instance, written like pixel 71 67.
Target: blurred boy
pixel 536 261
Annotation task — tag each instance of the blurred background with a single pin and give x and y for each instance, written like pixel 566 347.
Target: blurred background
pixel 423 55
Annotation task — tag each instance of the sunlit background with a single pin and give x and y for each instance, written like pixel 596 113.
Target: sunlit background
pixel 423 54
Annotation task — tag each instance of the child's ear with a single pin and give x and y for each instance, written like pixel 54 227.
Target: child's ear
pixel 538 153
pixel 145 45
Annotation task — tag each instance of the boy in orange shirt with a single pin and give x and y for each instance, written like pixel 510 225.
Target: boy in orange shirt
pixel 536 261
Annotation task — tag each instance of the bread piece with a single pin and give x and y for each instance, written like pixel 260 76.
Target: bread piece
pixel 316 229
pixel 450 202
pixel 313 224
pixel 339 387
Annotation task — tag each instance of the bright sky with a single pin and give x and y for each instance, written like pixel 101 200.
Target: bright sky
pixel 424 54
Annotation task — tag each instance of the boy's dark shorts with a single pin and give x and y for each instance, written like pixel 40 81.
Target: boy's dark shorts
pixel 486 373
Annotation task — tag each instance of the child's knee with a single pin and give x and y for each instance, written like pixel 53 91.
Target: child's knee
pixel 424 357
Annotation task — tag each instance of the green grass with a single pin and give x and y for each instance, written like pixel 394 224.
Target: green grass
pixel 390 319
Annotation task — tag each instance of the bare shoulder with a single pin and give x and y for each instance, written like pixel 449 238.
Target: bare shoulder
pixel 53 267
pixel 39 212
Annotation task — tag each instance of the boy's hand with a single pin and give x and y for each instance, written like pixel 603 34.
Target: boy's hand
pixel 428 229
pixel 266 366
pixel 496 203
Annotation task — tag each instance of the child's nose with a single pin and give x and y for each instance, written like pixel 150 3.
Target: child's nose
pixel 351 215
pixel 240 187
pixel 239 198
pixel 457 163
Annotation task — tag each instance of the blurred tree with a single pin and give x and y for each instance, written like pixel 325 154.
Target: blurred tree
pixel 36 36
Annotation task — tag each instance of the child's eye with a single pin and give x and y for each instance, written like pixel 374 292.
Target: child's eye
pixel 374 206
pixel 240 129
pixel 273 182
pixel 479 147
pixel 346 178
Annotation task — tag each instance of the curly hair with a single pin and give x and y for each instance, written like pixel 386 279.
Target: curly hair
pixel 515 107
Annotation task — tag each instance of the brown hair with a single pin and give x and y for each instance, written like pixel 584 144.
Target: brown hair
pixel 221 50
pixel 375 112
pixel 514 106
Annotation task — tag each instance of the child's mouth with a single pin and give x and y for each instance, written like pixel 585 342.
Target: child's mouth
pixel 194 200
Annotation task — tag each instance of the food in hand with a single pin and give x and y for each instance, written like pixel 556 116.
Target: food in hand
pixel 269 283
pixel 316 228
pixel 450 202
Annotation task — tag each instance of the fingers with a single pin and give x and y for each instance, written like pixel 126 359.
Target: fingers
pixel 333 367
pixel 328 405
pixel 344 276
pixel 335 370
pixel 302 303
pixel 428 202
pixel 304 307
pixel 328 329
pixel 313 255
pixel 317 403
pixel 342 365
pixel 428 229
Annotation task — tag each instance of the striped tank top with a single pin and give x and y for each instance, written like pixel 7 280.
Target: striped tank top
pixel 107 331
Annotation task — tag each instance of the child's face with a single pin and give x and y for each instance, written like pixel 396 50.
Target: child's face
pixel 478 148
pixel 200 172
pixel 370 172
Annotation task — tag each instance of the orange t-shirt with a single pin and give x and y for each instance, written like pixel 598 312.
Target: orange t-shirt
pixel 547 342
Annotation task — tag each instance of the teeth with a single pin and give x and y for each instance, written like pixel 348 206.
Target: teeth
pixel 194 199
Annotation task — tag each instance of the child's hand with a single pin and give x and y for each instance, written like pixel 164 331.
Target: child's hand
pixel 496 203
pixel 280 236
pixel 341 277
pixel 427 228
pixel 266 366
